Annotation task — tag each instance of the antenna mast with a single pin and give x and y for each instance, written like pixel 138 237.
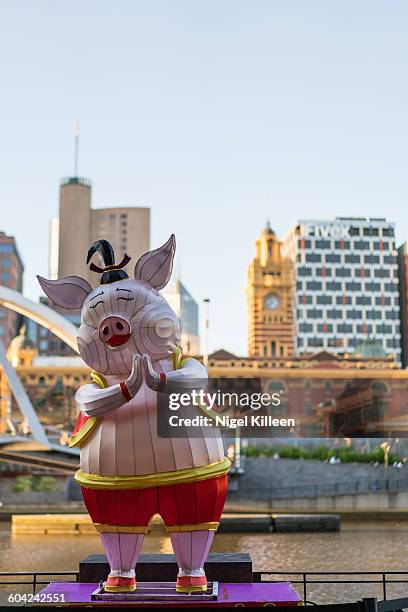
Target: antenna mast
pixel 76 153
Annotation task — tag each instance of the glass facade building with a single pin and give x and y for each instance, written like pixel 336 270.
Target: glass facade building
pixel 346 284
pixel 186 309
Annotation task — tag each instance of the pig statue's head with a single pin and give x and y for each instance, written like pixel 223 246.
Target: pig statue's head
pixel 123 316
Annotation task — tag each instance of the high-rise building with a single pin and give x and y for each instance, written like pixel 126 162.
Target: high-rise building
pixel 346 291
pixel 127 228
pixel 186 309
pixel 11 275
pixel 46 342
pixel 403 284
pixel 269 294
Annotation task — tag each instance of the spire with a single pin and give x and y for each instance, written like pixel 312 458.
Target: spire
pixel 268 230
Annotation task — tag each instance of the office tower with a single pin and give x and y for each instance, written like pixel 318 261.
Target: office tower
pixel 186 309
pixel 127 228
pixel 403 283
pixel 346 290
pixel 269 295
pixel 11 275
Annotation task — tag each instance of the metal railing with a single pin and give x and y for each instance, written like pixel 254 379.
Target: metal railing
pixel 305 579
pixel 36 578
pixel 379 485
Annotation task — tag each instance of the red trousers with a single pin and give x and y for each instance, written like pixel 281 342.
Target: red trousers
pixel 181 504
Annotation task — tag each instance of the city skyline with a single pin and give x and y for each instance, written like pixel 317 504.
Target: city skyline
pixel 215 116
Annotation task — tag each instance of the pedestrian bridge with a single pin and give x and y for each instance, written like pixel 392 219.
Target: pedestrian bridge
pixel 35 449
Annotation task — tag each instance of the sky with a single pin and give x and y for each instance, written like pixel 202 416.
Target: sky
pixel 217 114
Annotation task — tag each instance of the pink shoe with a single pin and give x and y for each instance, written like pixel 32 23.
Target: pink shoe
pixel 117 584
pixel 191 584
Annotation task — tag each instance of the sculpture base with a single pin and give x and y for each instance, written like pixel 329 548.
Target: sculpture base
pixel 76 594
pixel 156 591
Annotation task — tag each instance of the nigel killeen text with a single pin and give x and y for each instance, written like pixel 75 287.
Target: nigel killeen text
pixel 231 422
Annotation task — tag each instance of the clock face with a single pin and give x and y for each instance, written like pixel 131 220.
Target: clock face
pixel 272 301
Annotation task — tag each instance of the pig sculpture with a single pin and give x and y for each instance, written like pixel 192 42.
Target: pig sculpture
pixel 129 338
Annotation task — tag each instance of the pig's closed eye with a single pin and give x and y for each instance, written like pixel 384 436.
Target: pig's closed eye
pixel 127 299
pixel 95 305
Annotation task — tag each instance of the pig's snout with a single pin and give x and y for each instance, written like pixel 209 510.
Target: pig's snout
pixel 114 331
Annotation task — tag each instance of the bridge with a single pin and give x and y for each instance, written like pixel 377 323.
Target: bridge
pixel 35 449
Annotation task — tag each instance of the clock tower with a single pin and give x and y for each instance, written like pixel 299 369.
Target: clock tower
pixel 269 294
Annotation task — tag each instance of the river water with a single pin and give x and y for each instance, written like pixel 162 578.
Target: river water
pixel 357 547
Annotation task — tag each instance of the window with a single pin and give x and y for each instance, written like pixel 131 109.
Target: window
pixel 313 257
pixel 314 286
pixel 390 287
pixel 5 277
pixel 360 245
pixel 333 258
pixel 305 299
pixel 342 244
pixel 354 231
pixel 334 314
pixel 325 328
pixel 382 273
pixel 372 259
pixel 344 272
pixel 373 314
pixel 324 299
pixel 324 271
pixel 371 231
pixel 367 328
pixel 382 328
pixel 335 342
pixel 304 271
pixel 352 258
pixel 322 244
pixel 390 259
pixel 383 301
pixel 353 286
pixel 354 314
pixel 315 314
pixel 333 286
pixel 305 328
pixel 342 300
pixel 6 262
pixel 344 328
pixel 372 286
pixel 6 248
pixel 388 231
pixel 363 300
pixel 315 342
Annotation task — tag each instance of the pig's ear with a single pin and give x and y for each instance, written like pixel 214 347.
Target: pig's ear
pixel 155 267
pixel 69 292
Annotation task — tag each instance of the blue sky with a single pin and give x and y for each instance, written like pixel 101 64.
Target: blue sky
pixel 216 114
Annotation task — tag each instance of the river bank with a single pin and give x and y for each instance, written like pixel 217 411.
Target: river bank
pixel 368 546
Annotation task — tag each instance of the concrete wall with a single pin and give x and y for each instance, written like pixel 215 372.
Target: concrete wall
pixel 362 502
pixel 8 497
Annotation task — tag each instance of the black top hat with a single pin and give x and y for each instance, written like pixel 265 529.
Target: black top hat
pixel 111 272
